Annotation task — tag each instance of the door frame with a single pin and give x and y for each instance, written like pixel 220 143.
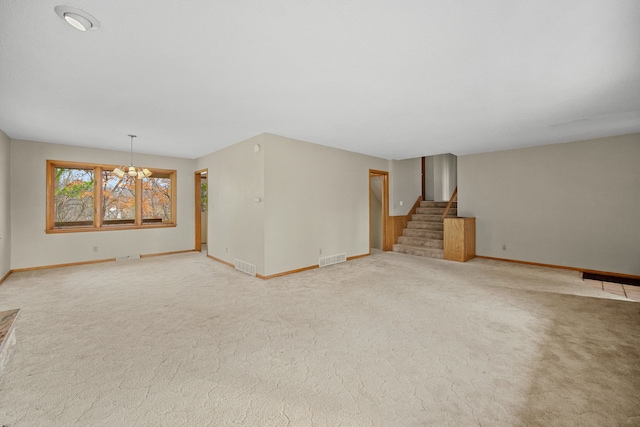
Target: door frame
pixel 386 241
pixel 197 180
pixel 424 177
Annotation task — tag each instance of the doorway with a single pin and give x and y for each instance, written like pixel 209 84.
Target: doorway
pixel 201 207
pixel 378 211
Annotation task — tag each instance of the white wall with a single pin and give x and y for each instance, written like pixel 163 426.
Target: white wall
pixel 316 198
pixel 429 178
pixel 5 205
pixel 313 198
pixel 445 175
pixel 32 247
pixel 405 186
pixel 440 177
pixel 575 204
pixel 235 219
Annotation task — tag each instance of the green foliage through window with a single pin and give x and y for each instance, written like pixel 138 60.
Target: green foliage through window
pixel 73 196
pixel 76 193
pixel 156 199
pixel 204 197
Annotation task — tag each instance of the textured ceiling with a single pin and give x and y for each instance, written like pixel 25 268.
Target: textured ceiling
pixel 391 78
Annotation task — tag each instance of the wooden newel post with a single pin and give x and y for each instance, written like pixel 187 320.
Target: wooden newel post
pixel 459 239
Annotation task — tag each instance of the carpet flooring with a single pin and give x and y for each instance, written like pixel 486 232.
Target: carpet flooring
pixel 385 340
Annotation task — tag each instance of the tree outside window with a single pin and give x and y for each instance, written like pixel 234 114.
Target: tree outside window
pixel 156 198
pixel 73 189
pixel 88 197
pixel 118 199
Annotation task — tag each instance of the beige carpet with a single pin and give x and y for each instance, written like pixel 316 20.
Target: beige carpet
pixel 386 340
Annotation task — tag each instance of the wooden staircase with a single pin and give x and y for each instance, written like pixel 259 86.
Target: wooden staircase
pixel 424 235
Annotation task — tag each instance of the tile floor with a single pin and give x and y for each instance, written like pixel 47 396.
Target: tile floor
pixel 628 291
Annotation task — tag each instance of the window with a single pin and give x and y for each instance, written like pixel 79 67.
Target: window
pixel 156 198
pixel 73 196
pixel 89 197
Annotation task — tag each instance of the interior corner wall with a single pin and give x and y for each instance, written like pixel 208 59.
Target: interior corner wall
pixel 5 205
pixel 441 177
pixel 574 204
pixel 429 178
pixel 235 215
pixel 316 198
pixel 405 185
pixel 447 172
pixel 32 247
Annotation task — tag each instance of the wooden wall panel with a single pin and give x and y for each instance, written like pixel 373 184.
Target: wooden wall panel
pixel 459 239
pixel 396 224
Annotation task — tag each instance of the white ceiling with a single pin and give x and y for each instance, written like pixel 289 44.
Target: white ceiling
pixel 391 78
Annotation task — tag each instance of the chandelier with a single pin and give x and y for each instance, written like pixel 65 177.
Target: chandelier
pixel 131 170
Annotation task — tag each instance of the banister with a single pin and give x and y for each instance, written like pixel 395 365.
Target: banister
pixel 454 195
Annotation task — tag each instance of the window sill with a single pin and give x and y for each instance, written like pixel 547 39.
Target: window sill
pixel 108 228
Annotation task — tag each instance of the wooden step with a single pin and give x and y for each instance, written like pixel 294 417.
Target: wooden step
pixel 419 251
pixel 421 242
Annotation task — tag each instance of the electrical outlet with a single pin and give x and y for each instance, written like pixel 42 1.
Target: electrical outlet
pixel 95 249
pixel 320 251
pixel 504 247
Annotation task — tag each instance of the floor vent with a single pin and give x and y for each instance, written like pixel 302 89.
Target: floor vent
pixel 332 259
pixel 127 257
pixel 245 267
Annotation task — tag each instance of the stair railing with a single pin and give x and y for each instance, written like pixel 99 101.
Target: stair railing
pixel 454 196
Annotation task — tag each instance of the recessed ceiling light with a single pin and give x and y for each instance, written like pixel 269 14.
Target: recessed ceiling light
pixel 79 19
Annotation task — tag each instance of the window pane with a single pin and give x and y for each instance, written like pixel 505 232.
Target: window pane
pixel 124 202
pixel 204 195
pixel 73 197
pixel 118 199
pixel 156 198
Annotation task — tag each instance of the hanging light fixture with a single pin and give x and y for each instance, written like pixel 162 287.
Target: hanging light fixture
pixel 131 170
